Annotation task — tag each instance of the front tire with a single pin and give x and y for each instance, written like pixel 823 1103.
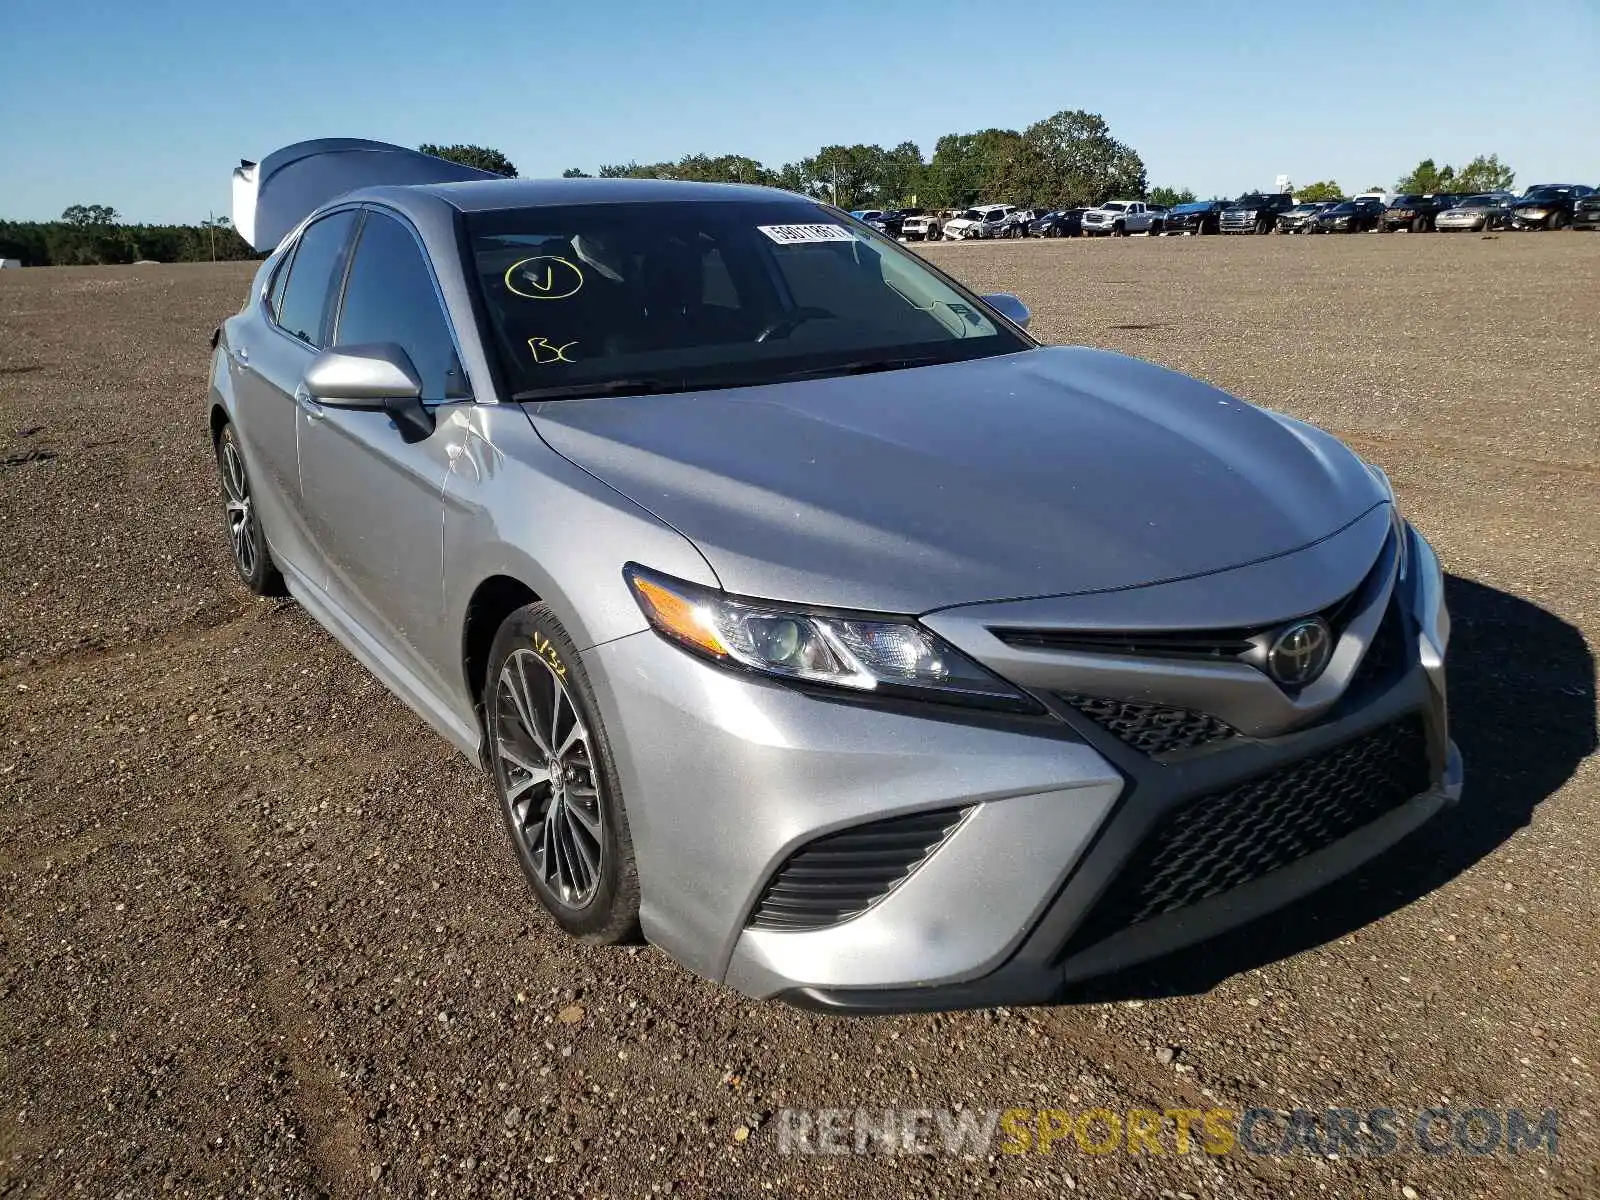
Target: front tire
pixel 251 558
pixel 557 781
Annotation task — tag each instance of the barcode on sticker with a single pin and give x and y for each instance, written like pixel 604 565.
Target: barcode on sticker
pixel 790 235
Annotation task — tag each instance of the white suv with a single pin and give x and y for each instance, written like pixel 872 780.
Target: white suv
pixel 982 222
pixel 1118 218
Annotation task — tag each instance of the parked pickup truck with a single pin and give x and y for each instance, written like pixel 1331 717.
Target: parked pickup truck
pixel 1256 212
pixel 1118 218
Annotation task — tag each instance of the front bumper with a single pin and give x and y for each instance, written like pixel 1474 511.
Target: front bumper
pixel 729 778
pixel 1445 222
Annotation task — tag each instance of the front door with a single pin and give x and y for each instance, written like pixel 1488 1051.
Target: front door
pixel 375 501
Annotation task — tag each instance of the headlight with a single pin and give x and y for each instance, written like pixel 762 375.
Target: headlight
pixel 891 656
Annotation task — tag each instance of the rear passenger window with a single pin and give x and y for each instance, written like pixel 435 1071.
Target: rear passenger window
pixel 316 270
pixel 390 297
pixel 280 280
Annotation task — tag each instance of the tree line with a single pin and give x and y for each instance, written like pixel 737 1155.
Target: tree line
pixel 1070 160
pixel 93 234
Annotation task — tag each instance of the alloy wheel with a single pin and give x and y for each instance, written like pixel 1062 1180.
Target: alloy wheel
pixel 546 760
pixel 241 514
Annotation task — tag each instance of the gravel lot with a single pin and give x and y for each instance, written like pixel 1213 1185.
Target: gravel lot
pixel 261 932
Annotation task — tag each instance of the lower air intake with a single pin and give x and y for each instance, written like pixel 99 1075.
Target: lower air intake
pixel 1216 842
pixel 843 874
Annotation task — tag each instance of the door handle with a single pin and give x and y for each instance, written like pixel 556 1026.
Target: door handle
pixel 308 403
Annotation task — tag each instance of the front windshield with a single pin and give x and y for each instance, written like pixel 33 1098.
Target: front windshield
pixel 702 294
pixel 1346 207
pixel 1193 206
pixel 1478 202
pixel 1114 206
pixel 1546 193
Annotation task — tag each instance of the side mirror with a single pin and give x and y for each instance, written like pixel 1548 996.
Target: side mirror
pixel 363 376
pixel 1010 307
pixel 374 376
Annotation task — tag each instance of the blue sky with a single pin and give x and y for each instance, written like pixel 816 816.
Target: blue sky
pixel 147 106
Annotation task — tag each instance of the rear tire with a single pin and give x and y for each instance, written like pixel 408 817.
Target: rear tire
pixel 557 781
pixel 1557 221
pixel 252 560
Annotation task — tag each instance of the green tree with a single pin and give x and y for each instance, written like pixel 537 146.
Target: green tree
pixel 1071 159
pixel 575 173
pixel 1324 189
pixel 901 176
pixel 969 167
pixel 1486 173
pixel 1428 177
pixel 1167 197
pixel 90 215
pixel 848 176
pixel 482 157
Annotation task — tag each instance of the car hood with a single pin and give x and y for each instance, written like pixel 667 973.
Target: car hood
pixel 1043 472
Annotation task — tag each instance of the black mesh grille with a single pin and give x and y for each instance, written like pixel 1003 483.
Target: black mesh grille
pixel 1153 728
pixel 842 874
pixel 1219 841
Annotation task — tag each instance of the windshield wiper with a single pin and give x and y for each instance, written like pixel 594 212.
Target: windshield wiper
pixel 633 386
pixel 867 366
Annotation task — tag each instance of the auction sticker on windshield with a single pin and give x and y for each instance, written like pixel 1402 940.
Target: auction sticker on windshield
pixel 790 235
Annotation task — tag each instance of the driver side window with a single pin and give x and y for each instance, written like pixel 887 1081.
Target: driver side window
pixel 390 297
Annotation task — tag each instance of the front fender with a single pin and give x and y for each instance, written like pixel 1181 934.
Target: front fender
pixel 515 508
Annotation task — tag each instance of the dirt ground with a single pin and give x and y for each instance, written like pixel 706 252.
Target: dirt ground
pixel 262 934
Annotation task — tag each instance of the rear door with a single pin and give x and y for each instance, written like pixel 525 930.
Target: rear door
pixel 268 368
pixel 376 502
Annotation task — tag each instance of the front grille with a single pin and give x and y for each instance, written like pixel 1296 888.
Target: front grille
pixel 1156 729
pixel 1216 842
pixel 840 875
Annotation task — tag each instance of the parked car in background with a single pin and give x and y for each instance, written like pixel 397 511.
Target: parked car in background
pixel 1415 213
pixel 922 227
pixel 1352 216
pixel 985 221
pixel 1586 211
pixel 1198 216
pixel 869 215
pixel 1382 198
pixel 1483 212
pixel 1256 212
pixel 1017 221
pixel 1118 218
pixel 1296 219
pixel 1065 222
pixel 1547 206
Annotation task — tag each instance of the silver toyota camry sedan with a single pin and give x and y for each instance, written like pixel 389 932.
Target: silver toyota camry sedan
pixel 811 619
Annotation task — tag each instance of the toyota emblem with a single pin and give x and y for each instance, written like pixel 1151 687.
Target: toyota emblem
pixel 1300 652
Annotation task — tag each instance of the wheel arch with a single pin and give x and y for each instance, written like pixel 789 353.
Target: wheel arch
pixel 493 600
